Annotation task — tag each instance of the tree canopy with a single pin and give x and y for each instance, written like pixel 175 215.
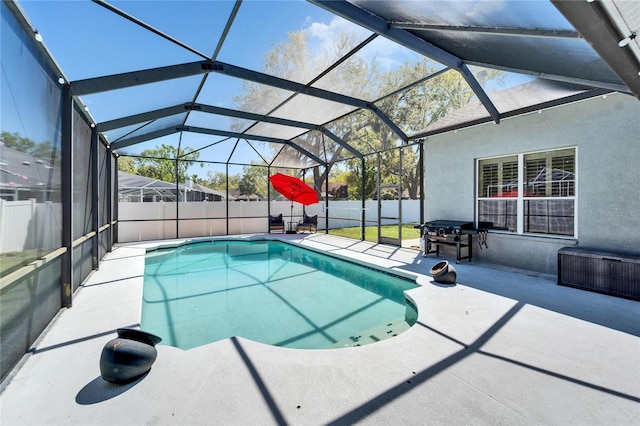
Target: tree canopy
pixel 44 150
pixel 160 163
pixel 412 95
pixel 412 108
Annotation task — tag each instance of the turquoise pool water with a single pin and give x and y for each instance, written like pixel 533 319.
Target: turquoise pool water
pixel 271 292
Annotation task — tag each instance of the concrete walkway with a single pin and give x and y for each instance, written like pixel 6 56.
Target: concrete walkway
pixel 501 346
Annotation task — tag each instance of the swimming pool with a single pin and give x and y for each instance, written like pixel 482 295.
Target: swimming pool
pixel 271 292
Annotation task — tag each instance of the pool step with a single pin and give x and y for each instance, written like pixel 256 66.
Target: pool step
pixel 375 334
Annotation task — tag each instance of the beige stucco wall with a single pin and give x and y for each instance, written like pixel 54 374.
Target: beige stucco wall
pixel 606 132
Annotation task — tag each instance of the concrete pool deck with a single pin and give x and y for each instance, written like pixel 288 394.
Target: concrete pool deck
pixel 502 346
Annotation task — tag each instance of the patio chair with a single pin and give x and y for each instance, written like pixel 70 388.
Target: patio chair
pixel 276 223
pixel 309 223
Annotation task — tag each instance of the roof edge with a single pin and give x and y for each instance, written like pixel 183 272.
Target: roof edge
pixel 521 111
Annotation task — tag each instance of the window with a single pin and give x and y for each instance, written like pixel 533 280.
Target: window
pixel 497 187
pixel 543 204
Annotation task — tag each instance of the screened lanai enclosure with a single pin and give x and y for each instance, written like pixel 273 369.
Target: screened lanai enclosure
pixel 131 120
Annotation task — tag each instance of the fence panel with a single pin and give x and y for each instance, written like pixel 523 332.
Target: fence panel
pixel 150 221
pixel 27 225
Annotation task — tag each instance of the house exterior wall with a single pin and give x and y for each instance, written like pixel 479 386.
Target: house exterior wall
pixel 606 133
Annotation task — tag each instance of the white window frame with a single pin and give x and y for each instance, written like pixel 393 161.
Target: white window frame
pixel 520 199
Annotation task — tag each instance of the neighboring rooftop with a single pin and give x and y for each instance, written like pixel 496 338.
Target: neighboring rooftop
pixel 130 184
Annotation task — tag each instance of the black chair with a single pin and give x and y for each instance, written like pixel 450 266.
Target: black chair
pixel 276 223
pixel 309 223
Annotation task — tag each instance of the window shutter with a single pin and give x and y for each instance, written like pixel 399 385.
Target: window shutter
pixel 563 176
pixel 489 183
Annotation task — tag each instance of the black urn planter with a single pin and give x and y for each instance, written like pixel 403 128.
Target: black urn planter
pixel 128 356
pixel 444 273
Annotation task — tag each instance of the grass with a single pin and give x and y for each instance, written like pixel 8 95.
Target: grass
pixel 14 260
pixel 371 232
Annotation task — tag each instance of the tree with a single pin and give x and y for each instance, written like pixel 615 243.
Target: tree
pixel 412 109
pixel 160 163
pixel 126 164
pixel 295 60
pixel 44 150
pixel 354 180
pixel 17 142
pixel 253 180
pixel 217 180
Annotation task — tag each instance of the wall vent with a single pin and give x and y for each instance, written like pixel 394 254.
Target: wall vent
pixel 615 274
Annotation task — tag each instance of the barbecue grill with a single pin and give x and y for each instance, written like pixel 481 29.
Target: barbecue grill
pixel 438 233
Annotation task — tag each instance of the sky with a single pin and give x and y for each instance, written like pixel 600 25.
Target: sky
pixel 87 40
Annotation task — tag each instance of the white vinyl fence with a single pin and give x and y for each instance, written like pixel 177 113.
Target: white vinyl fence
pixel 26 225
pixel 156 221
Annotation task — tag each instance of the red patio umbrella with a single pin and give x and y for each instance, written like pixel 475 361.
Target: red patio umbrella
pixel 294 189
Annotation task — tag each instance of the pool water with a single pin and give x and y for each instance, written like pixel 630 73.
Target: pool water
pixel 271 292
